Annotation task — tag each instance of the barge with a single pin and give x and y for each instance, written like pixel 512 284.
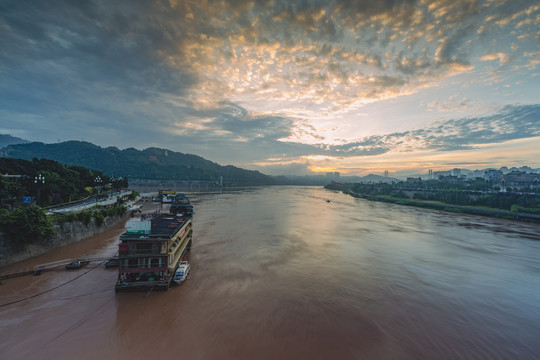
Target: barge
pixel 150 251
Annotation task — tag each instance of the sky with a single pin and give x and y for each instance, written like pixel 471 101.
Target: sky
pixel 283 87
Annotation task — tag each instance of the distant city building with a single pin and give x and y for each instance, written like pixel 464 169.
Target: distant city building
pixel 521 180
pixel 332 175
pixel 493 175
pixel 476 174
pixel 439 174
pixel 413 180
pixel 451 178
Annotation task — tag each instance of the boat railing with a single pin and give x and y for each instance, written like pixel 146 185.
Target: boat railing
pixel 143 252
pixel 143 266
pixel 142 284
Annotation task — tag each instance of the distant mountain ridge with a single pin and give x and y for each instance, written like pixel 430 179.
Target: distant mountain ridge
pixel 6 140
pixel 151 163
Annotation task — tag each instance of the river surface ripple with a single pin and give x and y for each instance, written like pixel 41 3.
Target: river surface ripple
pixel 280 273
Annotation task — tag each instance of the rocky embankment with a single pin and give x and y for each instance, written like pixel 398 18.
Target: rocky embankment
pixel 68 233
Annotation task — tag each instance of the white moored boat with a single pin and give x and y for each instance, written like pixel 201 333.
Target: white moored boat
pixel 182 272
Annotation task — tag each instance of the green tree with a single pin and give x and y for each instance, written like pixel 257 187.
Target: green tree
pixel 27 225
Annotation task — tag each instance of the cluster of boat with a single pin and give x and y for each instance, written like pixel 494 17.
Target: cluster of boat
pixel 151 252
pixel 180 274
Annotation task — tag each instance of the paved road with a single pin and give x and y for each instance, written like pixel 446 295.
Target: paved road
pixel 86 203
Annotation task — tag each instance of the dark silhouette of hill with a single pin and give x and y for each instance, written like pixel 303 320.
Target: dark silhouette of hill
pixel 6 140
pixel 151 163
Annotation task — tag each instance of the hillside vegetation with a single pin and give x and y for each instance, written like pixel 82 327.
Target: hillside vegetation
pixel 6 140
pixel 47 182
pixel 62 183
pixel 151 163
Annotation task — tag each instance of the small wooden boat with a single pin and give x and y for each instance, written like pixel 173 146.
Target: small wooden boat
pixel 77 264
pixel 113 262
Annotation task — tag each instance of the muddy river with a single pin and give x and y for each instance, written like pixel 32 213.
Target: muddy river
pixel 280 273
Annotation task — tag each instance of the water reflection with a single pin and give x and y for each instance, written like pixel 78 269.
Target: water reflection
pixel 278 272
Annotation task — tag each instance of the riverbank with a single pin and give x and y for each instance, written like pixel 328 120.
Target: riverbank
pixel 390 282
pixel 67 233
pixel 69 228
pixel 503 214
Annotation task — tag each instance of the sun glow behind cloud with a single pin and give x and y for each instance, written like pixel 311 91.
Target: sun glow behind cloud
pixel 318 77
pixel 330 63
pixel 481 157
pixel 270 84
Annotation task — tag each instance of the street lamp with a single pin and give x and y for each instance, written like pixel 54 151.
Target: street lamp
pixel 97 181
pixel 39 180
pixel 111 185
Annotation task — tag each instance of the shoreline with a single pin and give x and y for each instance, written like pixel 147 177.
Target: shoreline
pixel 495 213
pixel 67 234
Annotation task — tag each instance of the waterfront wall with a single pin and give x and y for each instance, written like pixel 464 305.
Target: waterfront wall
pixel 68 233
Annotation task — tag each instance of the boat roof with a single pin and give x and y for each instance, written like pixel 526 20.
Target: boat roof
pixel 163 227
pixel 167 224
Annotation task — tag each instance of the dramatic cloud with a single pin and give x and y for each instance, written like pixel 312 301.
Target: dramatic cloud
pixel 512 122
pixel 272 81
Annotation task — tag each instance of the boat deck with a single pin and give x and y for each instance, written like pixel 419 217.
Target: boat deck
pixel 166 225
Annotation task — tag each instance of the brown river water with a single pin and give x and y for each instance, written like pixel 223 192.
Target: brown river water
pixel 280 273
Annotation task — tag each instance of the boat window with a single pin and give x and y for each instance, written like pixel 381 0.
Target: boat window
pixel 144 247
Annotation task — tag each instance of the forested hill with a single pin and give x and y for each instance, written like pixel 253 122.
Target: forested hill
pixel 6 140
pixel 151 163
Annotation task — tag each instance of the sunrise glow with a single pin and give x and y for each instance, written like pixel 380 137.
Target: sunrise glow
pixel 283 87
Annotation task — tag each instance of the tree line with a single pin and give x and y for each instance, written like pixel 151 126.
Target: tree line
pixel 30 224
pixel 49 182
pixel 479 194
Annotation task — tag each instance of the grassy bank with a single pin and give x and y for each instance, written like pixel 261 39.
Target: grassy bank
pixel 497 213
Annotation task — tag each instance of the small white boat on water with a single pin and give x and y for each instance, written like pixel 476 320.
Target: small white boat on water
pixel 166 199
pixel 181 272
